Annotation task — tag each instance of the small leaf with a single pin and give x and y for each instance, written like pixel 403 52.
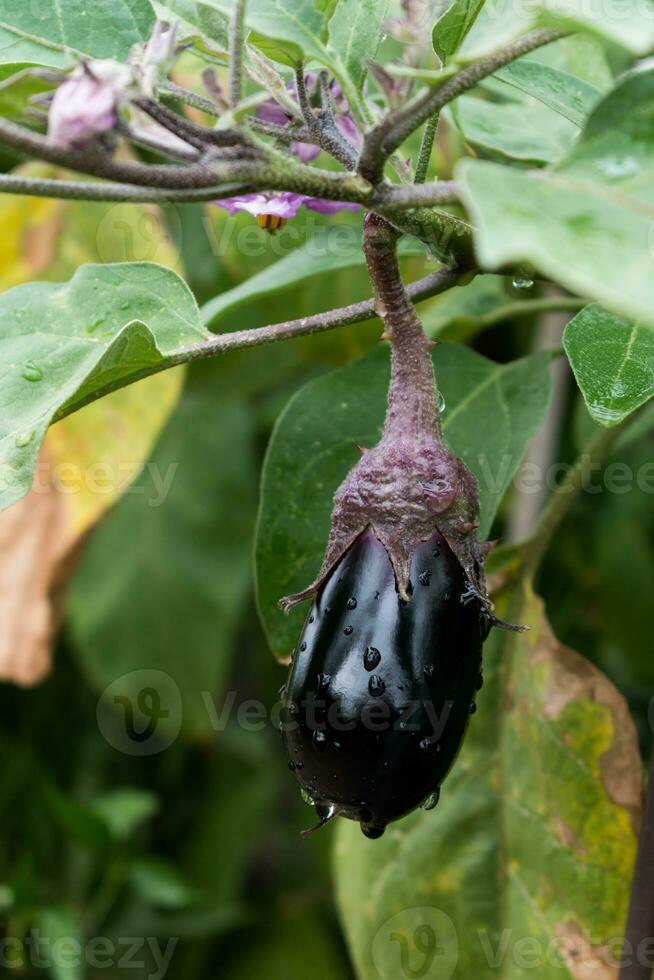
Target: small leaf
pixel 613 362
pixel 159 884
pixel 491 412
pixel 452 27
pixel 571 97
pixel 61 925
pixel 124 810
pixel 63 343
pixel 549 777
pixel 354 35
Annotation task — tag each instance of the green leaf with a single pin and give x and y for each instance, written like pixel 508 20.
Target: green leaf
pixel 61 925
pixel 159 884
pixel 588 224
pixel 547 787
pixel 61 343
pixel 501 22
pixel 52 32
pixel 522 130
pixel 492 410
pixel 354 35
pixel 321 254
pixel 569 96
pixel 287 31
pixel 613 362
pixel 164 617
pixel 124 810
pixel 452 27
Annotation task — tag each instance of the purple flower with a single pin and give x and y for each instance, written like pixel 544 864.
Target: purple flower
pixel 271 111
pixel 281 204
pixel 86 104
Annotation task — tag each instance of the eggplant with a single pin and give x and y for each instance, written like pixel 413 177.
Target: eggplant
pixel 381 688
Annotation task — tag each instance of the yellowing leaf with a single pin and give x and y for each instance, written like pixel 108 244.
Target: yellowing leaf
pixel 533 841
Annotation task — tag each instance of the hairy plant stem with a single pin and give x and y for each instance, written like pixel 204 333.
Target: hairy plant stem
pixel 426 147
pixel 412 409
pixel 236 53
pixel 639 930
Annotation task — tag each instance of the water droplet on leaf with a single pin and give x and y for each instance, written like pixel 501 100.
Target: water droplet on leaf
pixel 431 800
pixel 32 372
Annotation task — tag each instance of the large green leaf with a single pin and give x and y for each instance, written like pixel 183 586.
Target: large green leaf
pixel 613 362
pixel 160 588
pixel 453 25
pixel 546 790
pixel 491 412
pixel 48 32
pixel 502 21
pixel 588 224
pixel 61 343
pixel 521 130
pixel 568 95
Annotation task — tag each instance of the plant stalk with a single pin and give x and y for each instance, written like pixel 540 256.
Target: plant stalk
pixel 412 408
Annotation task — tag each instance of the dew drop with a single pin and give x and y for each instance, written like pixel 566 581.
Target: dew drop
pixel 351 603
pixel 31 371
pixel 311 618
pixel 324 680
pixel 282 691
pixel 303 646
pixel 299 765
pixel 441 402
pixel 348 630
pixel 425 577
pixel 319 739
pixel 306 796
pixel 371 658
pixel 291 765
pixel 520 283
pixel 426 743
pixel 24 439
pixel 376 686
pixel 473 708
pixel 431 800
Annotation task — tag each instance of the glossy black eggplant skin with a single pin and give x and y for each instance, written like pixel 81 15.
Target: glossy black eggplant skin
pixel 381 690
